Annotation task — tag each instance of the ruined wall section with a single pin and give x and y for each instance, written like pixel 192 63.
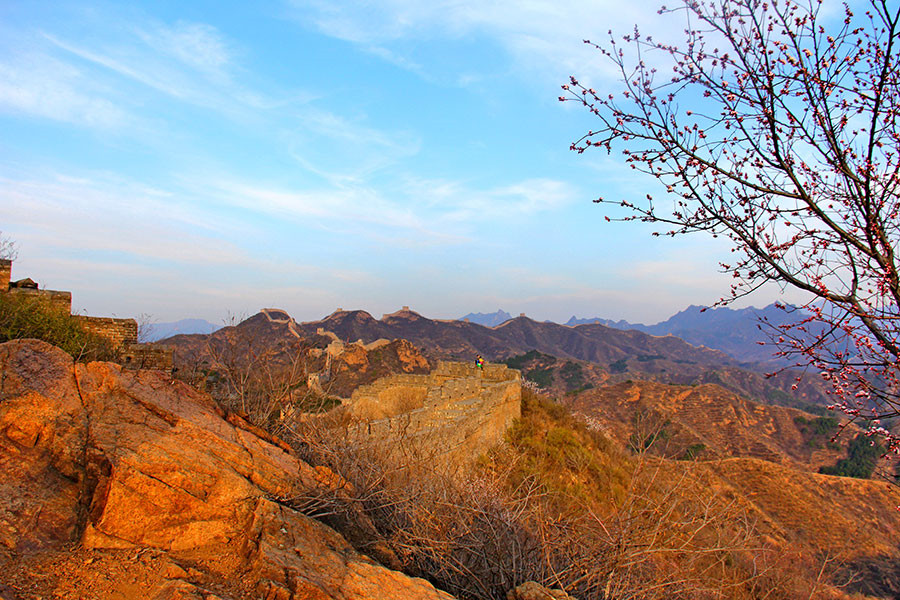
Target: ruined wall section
pixel 5 273
pixel 54 299
pixel 453 414
pixel 121 332
pixel 57 300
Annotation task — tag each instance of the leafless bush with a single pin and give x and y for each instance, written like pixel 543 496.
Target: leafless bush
pixel 265 381
pixel 146 328
pixel 478 531
pixel 8 248
pixel 477 536
pixel 468 535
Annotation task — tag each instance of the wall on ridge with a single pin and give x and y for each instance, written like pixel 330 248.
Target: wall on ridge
pixel 123 333
pixel 453 414
pixel 119 331
pixel 57 300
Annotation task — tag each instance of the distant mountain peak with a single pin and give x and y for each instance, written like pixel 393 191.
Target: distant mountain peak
pixel 488 319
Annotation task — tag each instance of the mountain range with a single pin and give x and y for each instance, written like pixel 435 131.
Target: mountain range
pixel 740 333
pixel 623 354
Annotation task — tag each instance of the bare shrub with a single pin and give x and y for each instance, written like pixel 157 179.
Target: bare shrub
pixel 8 248
pixel 265 381
pixel 557 506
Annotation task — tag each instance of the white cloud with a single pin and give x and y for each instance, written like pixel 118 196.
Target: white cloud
pixel 113 216
pixel 457 202
pixel 166 72
pixel 540 36
pixel 416 212
pixel 195 44
pixel 42 86
pixel 345 151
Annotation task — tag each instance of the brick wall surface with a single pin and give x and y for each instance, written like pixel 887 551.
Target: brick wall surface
pixel 121 332
pixel 465 411
pixel 58 300
pixel 5 274
pixel 146 356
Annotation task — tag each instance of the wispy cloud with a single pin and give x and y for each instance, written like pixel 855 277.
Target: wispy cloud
pixel 457 201
pixel 198 45
pixel 104 216
pixel 41 86
pixel 144 76
pixel 186 62
pixel 540 37
pixel 345 151
pixel 417 211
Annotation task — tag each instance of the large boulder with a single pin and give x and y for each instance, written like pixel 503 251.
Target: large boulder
pixel 102 458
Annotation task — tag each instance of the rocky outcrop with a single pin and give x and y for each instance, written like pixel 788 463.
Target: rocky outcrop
pixel 531 590
pixel 96 457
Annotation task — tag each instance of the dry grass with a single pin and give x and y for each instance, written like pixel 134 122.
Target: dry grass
pixel 560 504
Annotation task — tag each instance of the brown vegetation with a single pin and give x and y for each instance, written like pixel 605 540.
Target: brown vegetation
pixel 564 505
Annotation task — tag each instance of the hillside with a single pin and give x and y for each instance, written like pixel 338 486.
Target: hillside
pixel 123 485
pixel 709 422
pixel 800 534
pixel 461 340
pixel 225 506
pixel 271 343
pixel 765 459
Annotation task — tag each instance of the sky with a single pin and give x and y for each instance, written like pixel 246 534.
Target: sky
pixel 205 159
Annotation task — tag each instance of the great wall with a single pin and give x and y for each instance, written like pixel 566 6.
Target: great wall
pixel 453 414
pixel 123 333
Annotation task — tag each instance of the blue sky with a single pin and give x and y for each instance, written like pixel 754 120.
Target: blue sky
pixel 198 159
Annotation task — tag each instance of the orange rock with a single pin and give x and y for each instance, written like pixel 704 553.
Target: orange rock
pixel 124 459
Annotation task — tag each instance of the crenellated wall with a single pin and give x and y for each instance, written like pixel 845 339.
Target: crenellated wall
pixel 455 413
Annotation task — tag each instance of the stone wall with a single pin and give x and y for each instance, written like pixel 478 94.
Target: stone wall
pixel 61 301
pixel 122 332
pixel 5 273
pixel 453 414
pixel 146 356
